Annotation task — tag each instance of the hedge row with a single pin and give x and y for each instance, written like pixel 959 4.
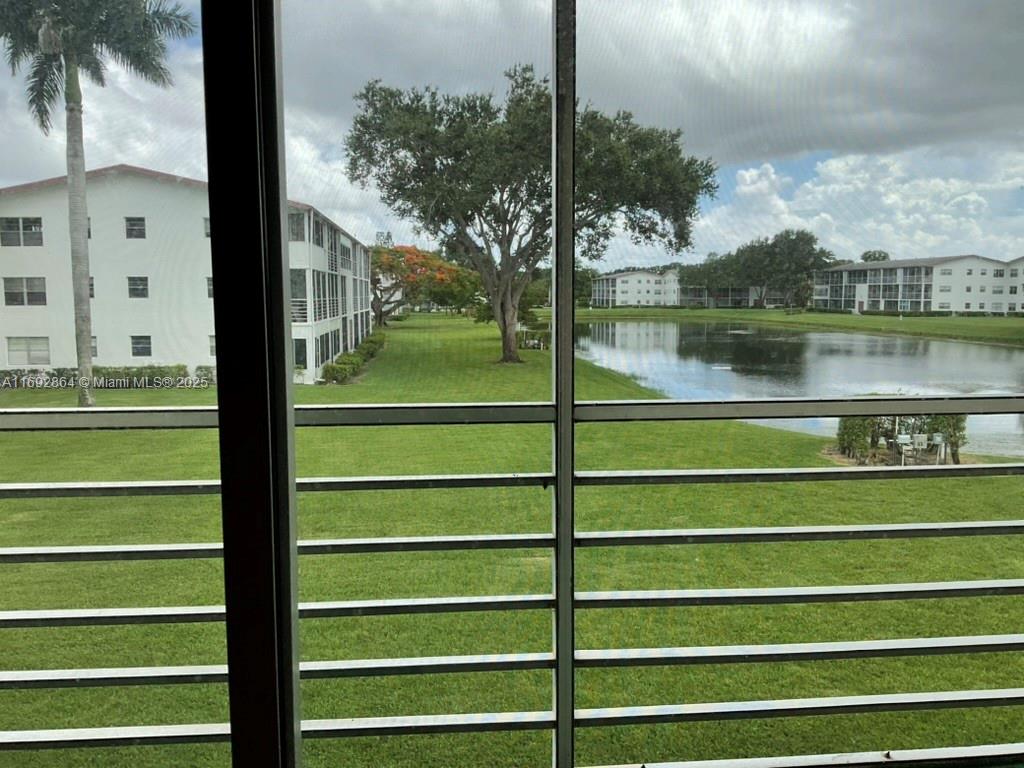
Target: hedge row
pixel 349 364
pixel 133 374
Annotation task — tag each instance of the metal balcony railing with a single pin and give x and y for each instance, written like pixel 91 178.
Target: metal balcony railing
pixel 524 413
pixel 300 310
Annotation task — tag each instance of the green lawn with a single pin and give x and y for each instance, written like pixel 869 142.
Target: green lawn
pixel 993 330
pixel 449 359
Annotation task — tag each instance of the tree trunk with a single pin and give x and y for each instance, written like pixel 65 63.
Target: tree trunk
pixel 78 223
pixel 506 315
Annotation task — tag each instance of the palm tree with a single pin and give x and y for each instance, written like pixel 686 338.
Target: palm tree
pixel 59 41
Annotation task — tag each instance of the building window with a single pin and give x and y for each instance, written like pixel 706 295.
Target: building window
pixel 1013 289
pixel 943 305
pixel 997 306
pixel 997 289
pixel 142 346
pixel 28 350
pixel 945 288
pixel 318 231
pixel 967 288
pixel 135 227
pixel 213 346
pixel 946 271
pixel 998 273
pixel 209 287
pixel 88 227
pixel 299 349
pixel 981 305
pixel 1014 272
pixel 92 347
pixel 92 288
pixel 970 271
pixel 297 227
pixel 25 291
pixel 967 305
pixel 206 226
pixel 1013 308
pixel 21 231
pixel 138 287
pixel 981 289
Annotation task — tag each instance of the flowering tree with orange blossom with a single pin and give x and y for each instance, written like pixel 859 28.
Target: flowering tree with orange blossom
pixel 403 273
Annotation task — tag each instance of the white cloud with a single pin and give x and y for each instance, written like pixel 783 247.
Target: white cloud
pixel 859 202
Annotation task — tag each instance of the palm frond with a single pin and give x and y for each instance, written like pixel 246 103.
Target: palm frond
pixel 45 84
pixel 92 65
pixel 144 62
pixel 169 21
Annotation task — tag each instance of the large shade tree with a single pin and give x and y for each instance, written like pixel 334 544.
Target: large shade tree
pixel 476 175
pixel 60 42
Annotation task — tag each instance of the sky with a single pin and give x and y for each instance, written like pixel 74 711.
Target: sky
pixel 891 125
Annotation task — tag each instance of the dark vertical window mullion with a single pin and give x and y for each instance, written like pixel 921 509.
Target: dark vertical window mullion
pixel 563 220
pixel 241 59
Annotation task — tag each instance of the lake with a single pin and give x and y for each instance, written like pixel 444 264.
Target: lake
pixel 735 361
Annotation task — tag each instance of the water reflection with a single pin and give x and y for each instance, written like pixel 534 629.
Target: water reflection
pixel 716 361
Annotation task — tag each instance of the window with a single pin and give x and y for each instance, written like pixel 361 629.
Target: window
pixel 25 291
pixel 206 226
pixel 970 271
pixel 981 289
pixel 209 287
pixel 943 305
pixel 981 305
pixel 997 289
pixel 213 346
pixel 998 273
pixel 946 271
pixel 25 231
pixel 138 287
pixel 297 227
pixel 967 289
pixel 1013 289
pixel 92 288
pixel 997 306
pixel 299 349
pixel 135 227
pixel 1012 307
pixel 967 305
pixel 945 288
pixel 1014 272
pixel 92 347
pixel 984 271
pixel 28 350
pixel 88 227
pixel 142 346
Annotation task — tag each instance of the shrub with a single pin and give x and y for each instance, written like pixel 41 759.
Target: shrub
pixel 207 372
pixel 334 373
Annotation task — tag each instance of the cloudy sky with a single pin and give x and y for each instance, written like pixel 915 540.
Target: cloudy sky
pixel 896 125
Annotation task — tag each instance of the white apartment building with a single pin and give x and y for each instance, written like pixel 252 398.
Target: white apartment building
pixel 151 278
pixel 944 284
pixel 655 288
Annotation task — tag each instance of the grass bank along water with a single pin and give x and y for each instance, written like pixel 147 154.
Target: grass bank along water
pixel 432 358
pixel 990 330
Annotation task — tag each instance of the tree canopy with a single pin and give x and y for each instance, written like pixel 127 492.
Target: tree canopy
pixel 475 174
pixel 874 256
pixel 403 274
pixel 785 262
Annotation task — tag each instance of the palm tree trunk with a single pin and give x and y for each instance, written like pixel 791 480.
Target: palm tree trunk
pixel 78 223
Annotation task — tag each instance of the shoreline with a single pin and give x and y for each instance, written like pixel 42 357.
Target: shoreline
pixel 764 317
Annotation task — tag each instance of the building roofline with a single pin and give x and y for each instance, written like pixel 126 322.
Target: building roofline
pixel 113 170
pixel 922 262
